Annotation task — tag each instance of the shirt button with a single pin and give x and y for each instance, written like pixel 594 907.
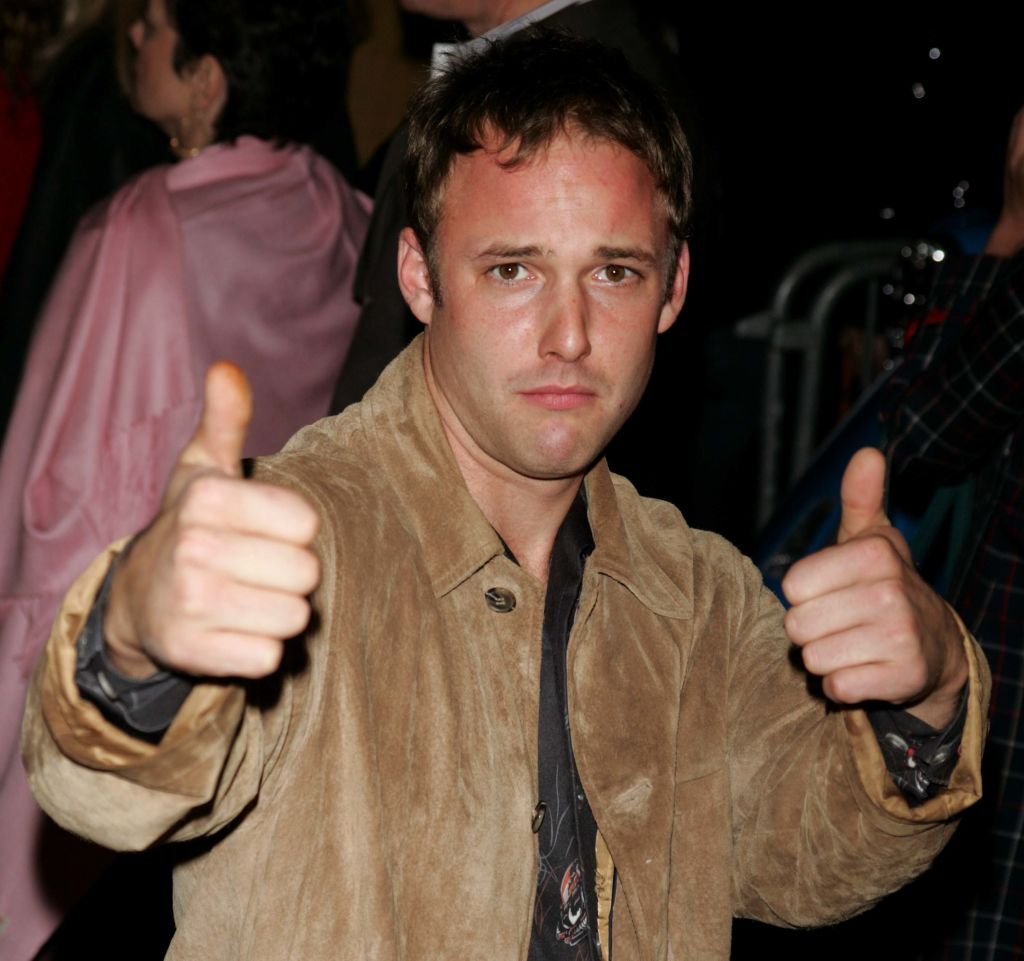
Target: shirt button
pixel 500 600
pixel 538 816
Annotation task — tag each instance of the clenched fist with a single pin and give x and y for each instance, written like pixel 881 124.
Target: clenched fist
pixel 865 621
pixel 217 584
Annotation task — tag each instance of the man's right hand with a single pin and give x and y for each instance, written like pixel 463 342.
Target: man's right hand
pixel 218 582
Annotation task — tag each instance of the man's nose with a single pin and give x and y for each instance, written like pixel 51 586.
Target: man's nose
pixel 566 332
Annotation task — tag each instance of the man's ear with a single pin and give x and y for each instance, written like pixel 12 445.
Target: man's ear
pixel 414 276
pixel 674 303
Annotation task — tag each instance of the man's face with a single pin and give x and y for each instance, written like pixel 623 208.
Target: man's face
pixel 552 278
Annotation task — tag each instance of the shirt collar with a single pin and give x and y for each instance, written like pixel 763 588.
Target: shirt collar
pixel 400 421
pixel 442 51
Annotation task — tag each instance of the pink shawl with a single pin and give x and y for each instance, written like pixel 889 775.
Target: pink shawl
pixel 246 253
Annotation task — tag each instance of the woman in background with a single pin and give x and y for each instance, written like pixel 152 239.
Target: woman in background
pixel 92 143
pixel 243 250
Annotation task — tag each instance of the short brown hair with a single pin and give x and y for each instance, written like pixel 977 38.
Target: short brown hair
pixel 525 91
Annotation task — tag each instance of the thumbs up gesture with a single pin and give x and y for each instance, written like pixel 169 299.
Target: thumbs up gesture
pixel 865 622
pixel 218 582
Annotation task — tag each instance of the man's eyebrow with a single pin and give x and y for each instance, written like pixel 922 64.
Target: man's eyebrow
pixel 638 254
pixel 509 252
pixel 506 252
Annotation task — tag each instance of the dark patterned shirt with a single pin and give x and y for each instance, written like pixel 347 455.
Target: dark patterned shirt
pixel 565 914
pixel 956 411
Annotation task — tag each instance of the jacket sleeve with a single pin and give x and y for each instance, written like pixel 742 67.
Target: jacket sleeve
pixel 821 831
pixel 125 793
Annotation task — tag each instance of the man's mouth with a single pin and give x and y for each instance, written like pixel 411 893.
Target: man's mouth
pixel 555 397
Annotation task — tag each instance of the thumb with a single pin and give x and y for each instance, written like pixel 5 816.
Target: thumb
pixel 227 410
pixel 863 494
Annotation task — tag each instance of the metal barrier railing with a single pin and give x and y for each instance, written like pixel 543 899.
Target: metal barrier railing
pixel 822 278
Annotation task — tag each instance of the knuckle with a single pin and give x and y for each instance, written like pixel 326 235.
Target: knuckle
pixel 308 572
pixel 291 512
pixel 813 659
pixel 192 660
pixel 270 659
pixel 193 546
pixel 181 652
pixel 884 555
pixel 296 616
pixel 791 584
pixel 192 593
pixel 262 657
pixel 204 660
pixel 205 497
pixel 873 549
pixel 888 595
pixel 842 689
pixel 310 522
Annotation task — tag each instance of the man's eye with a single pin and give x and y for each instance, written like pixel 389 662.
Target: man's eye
pixel 509 272
pixel 615 273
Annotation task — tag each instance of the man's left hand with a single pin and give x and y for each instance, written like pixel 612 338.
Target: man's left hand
pixel 865 621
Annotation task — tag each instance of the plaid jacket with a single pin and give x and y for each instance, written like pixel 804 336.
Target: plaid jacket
pixel 956 410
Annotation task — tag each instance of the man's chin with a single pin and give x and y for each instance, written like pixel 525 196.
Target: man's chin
pixel 560 467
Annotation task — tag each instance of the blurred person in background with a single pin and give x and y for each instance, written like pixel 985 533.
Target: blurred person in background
pixel 245 249
pixel 91 142
pixel 956 413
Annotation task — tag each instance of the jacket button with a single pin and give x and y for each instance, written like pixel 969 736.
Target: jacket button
pixel 500 600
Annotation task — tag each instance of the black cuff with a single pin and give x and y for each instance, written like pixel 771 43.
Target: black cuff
pixel 919 759
pixel 142 708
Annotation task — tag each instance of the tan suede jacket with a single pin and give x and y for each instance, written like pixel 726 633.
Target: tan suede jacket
pixel 374 801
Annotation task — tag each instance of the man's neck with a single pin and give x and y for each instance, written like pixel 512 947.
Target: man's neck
pixel 525 511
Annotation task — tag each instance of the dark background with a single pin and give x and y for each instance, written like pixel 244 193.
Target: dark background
pixel 813 130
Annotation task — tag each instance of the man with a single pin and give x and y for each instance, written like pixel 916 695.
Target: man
pixel 956 411
pixel 534 715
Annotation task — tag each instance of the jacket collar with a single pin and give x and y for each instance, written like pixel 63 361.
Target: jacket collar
pixel 401 422
pixel 622 535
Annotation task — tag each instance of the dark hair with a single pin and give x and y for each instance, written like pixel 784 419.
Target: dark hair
pixel 524 92
pixel 286 63
pixel 26 27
